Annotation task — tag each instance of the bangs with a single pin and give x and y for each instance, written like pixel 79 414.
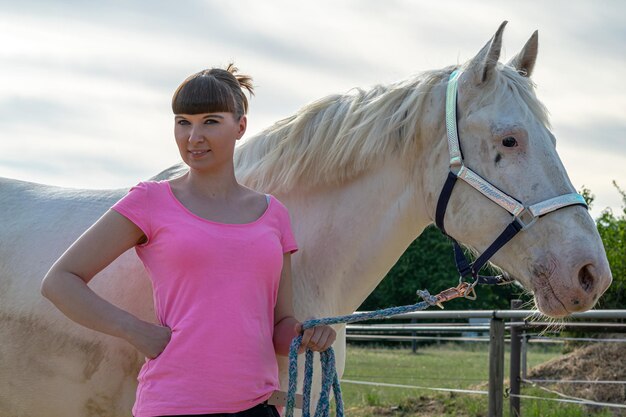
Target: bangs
pixel 203 94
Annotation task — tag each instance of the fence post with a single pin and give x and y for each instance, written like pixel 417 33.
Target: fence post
pixel 514 370
pixel 414 334
pixel 524 363
pixel 496 367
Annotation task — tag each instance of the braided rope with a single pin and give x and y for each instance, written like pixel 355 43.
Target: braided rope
pixel 327 359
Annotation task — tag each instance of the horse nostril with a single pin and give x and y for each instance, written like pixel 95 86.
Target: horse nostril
pixel 586 279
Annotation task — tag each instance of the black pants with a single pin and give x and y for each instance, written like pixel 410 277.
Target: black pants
pixel 259 410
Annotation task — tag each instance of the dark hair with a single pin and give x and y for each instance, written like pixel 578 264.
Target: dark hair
pixel 213 90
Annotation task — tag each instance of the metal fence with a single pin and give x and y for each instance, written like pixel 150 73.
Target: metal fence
pixel 518 324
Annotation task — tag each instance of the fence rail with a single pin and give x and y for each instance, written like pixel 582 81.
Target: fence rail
pixel 506 314
pixel 518 324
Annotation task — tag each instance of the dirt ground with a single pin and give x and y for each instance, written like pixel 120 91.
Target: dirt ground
pixel 598 361
pixel 422 406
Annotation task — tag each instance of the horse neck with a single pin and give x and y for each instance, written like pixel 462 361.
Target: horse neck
pixel 353 232
pixel 351 235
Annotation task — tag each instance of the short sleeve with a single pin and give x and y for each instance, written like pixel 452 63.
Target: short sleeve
pixel 134 206
pixel 287 240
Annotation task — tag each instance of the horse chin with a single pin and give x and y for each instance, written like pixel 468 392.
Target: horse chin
pixel 548 303
pixel 545 298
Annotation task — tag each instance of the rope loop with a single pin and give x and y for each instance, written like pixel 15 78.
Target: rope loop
pixel 330 378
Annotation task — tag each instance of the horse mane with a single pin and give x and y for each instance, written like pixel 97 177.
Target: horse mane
pixel 334 139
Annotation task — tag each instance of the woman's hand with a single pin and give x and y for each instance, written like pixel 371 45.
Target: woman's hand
pixel 150 339
pixel 317 338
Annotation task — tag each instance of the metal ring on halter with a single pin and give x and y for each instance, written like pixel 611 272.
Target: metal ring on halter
pixel 456 166
pixel 470 294
pixel 525 218
pixel 470 289
pixel 504 280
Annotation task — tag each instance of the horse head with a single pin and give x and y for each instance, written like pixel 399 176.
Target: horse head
pixel 504 137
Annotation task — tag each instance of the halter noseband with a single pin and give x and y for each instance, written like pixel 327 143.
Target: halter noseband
pixel 523 216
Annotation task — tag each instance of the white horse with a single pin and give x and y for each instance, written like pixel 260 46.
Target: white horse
pixel 360 174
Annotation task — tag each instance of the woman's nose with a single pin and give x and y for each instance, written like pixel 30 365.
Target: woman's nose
pixel 196 135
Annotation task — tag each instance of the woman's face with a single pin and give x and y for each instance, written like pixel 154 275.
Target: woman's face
pixel 206 141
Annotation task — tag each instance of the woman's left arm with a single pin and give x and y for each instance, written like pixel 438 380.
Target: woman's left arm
pixel 286 326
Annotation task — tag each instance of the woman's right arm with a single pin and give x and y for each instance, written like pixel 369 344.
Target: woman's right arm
pixel 65 284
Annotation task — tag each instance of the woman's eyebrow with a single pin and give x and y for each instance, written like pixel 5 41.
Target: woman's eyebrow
pixel 205 117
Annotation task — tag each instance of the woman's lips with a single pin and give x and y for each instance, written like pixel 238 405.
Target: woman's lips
pixel 199 154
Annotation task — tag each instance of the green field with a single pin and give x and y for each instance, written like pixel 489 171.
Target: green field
pixel 445 366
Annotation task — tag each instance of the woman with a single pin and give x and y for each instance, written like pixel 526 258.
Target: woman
pixel 219 258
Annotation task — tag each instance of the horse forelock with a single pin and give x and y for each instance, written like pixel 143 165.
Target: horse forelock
pixel 509 85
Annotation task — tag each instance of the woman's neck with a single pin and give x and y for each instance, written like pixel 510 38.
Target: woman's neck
pixel 218 185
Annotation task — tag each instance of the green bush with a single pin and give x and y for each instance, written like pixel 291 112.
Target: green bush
pixel 428 264
pixel 612 229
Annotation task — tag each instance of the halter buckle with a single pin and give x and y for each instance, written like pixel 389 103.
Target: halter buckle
pixel 464 290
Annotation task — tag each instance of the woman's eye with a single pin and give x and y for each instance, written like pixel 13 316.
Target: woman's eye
pixel 183 122
pixel 210 122
pixel 509 142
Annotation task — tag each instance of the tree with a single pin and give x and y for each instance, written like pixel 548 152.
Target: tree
pixel 612 229
pixel 428 264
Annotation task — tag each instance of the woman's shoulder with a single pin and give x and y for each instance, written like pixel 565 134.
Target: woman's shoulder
pixel 147 189
pixel 279 205
pixel 272 202
pixel 153 184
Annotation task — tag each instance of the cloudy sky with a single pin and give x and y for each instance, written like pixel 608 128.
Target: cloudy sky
pixel 85 86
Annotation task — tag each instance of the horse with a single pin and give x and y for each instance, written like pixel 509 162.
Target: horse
pixel 361 174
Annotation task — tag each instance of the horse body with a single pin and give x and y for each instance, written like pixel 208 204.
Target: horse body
pixel 360 174
pixel 348 252
pixel 50 366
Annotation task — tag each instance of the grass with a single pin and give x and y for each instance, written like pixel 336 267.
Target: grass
pixel 446 366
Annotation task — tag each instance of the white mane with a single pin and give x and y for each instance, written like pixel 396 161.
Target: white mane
pixel 335 138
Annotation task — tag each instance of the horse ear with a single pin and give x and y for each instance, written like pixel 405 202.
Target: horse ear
pixel 484 63
pixel 524 62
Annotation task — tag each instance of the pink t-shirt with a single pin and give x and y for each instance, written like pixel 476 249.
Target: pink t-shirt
pixel 215 285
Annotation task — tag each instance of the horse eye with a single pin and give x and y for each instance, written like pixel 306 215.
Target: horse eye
pixel 509 142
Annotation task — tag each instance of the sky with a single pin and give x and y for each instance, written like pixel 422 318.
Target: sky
pixel 85 87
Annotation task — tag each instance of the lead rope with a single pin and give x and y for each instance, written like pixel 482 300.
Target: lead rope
pixel 327 358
